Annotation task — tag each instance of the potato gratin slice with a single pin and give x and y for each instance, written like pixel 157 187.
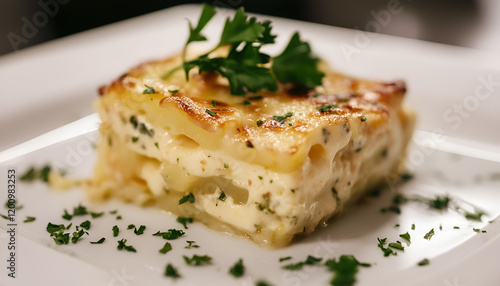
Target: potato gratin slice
pixel 267 165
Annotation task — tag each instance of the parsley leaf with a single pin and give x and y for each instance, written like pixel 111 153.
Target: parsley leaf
pixel 148 90
pixel 51 228
pixel 184 220
pixel 345 270
pixel 116 230
pixel 170 271
pixel 85 224
pixel 96 215
pixel 29 219
pixel 195 33
pixel 198 260
pixel 77 235
pixel 282 119
pixel 187 198
pixel 386 251
pixel 297 65
pixel 122 245
pixel 222 196
pixel 406 236
pixel 326 108
pixel 241 29
pixel 191 244
pixel 140 230
pixel 171 234
pixel 429 235
pixel 423 262
pixel 238 269
pixel 100 241
pixel 166 248
pixel 311 260
pixel 397 245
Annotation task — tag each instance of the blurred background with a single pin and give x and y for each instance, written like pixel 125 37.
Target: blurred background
pixel 466 23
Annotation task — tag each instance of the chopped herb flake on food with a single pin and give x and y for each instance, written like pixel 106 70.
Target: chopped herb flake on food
pixel 423 262
pixel 166 248
pixel 171 234
pixel 122 246
pixel 311 260
pixel 198 260
pixel 140 230
pixel 77 235
pixel 386 251
pixel 405 236
pixel 29 219
pixel 429 235
pixel 100 241
pixel 326 108
pixel 285 258
pixel 397 245
pixel 191 244
pixel 148 90
pixel 116 231
pixel 96 215
pixel 211 113
pixel 85 224
pixel 170 271
pixel 345 270
pixel 259 122
pixel 187 198
pixel 282 119
pixel 238 269
pixel 222 196
pixel 184 221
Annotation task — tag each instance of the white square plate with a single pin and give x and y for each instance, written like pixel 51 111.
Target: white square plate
pixel 456 152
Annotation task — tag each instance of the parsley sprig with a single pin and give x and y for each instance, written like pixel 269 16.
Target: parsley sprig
pixel 244 66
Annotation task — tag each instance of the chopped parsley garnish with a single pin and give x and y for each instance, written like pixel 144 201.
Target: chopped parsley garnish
pixel 140 230
pixel 144 130
pixel 456 227
pixel 214 103
pixel 222 196
pixel 29 176
pixel 265 205
pixel 116 231
pixel 413 227
pixel 80 210
pixel 113 212
pixel 148 90
pixel 197 260
pixel 262 283
pixel 96 215
pixel 311 260
pixel 363 118
pixel 285 258
pixel 423 262
pixel 259 122
pixel 386 251
pixel 405 236
pixel 191 244
pixel 440 203
pixel 429 235
pixel 33 174
pixel 326 108
pixel 60 237
pixel 85 224
pixel 122 245
pixel 170 271
pixel 135 139
pixel 345 270
pixel 156 145
pixel 171 234
pixel 474 216
pixel 282 119
pixel 51 228
pixel 166 248
pixel 476 230
pixel 77 235
pixel 297 65
pixel 238 269
pixel 187 198
pixel 210 112
pixel 397 245
pixel 100 241
pixel 133 121
pixel 29 219
pixel 246 102
pixel 184 221
pixel 130 226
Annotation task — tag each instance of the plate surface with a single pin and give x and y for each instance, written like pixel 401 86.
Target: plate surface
pixel 456 152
